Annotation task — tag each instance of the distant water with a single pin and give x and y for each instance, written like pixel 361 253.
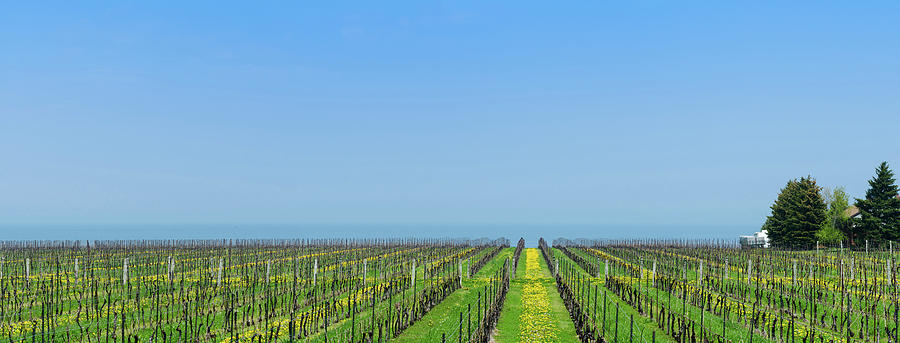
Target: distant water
pixel 531 233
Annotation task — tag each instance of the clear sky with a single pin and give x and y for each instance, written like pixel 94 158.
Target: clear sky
pixel 594 116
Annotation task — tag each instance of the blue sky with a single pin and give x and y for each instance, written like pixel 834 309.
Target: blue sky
pixel 592 116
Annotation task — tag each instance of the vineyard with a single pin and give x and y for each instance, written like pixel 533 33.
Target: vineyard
pixel 417 290
pixel 234 291
pixel 713 292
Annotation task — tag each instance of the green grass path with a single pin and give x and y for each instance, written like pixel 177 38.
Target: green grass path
pixel 509 326
pixel 444 317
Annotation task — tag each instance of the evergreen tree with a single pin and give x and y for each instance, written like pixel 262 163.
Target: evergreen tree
pixel 880 211
pixel 777 221
pixel 797 214
pixel 811 213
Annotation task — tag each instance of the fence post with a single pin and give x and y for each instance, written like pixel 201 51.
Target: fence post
pixel 594 315
pixel 459 339
pixel 353 320
pixel 479 309
pixel 469 322
pixel 616 336
pixel 702 311
pixel 603 331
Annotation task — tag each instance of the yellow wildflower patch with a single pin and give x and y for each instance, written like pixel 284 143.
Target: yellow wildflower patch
pixel 535 323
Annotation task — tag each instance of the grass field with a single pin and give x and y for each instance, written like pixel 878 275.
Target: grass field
pixel 543 320
pixel 444 318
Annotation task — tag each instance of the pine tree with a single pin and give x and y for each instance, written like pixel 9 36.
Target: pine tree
pixel 777 221
pixel 880 211
pixel 797 214
pixel 810 213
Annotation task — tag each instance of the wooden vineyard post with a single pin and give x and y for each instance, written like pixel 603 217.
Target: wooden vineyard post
pixel 724 308
pixel 459 335
pixel 702 311
pixel 812 309
pixel 657 301
pixel 749 269
pixel 374 303
pixel 219 276
pixel 594 315
pixel 603 332
pixel 460 273
pixel 353 321
pixel 843 291
pixel 755 300
pixel 616 334
pixel 640 269
pixel 631 330
pixel 684 298
pixel 700 277
pixel 479 308
pixel 390 292
pixel 293 300
pixel 412 288
pixel 488 297
pixel 469 322
pixel 794 279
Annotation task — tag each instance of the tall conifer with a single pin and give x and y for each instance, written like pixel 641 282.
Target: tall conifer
pixel 880 211
pixel 797 214
pixel 777 221
pixel 810 213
